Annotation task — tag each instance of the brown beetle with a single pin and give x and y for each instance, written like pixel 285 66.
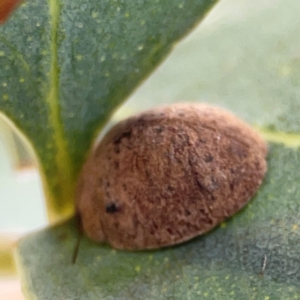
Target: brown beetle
pixel 169 174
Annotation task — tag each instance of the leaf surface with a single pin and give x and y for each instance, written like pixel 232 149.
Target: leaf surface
pixel 244 57
pixel 66 65
pixel 224 264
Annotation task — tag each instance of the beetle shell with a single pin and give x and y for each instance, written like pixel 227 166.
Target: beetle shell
pixel 169 174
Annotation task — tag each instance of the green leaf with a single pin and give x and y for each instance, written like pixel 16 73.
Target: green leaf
pixel 248 63
pixel 250 66
pixel 66 65
pixel 224 264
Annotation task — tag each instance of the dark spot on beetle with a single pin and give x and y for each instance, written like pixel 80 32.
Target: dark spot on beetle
pixel 202 211
pixel 124 135
pixel 117 165
pixel 117 224
pixel 111 208
pixel 159 129
pixel 208 158
pixel 170 230
pixel 206 216
pixel 125 187
pixel 170 188
pixel 117 149
pixel 187 212
pixel 200 185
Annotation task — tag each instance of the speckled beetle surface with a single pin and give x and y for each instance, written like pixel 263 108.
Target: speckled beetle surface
pixel 169 174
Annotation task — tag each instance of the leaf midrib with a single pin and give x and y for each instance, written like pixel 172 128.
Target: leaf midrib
pixel 290 140
pixel 62 158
